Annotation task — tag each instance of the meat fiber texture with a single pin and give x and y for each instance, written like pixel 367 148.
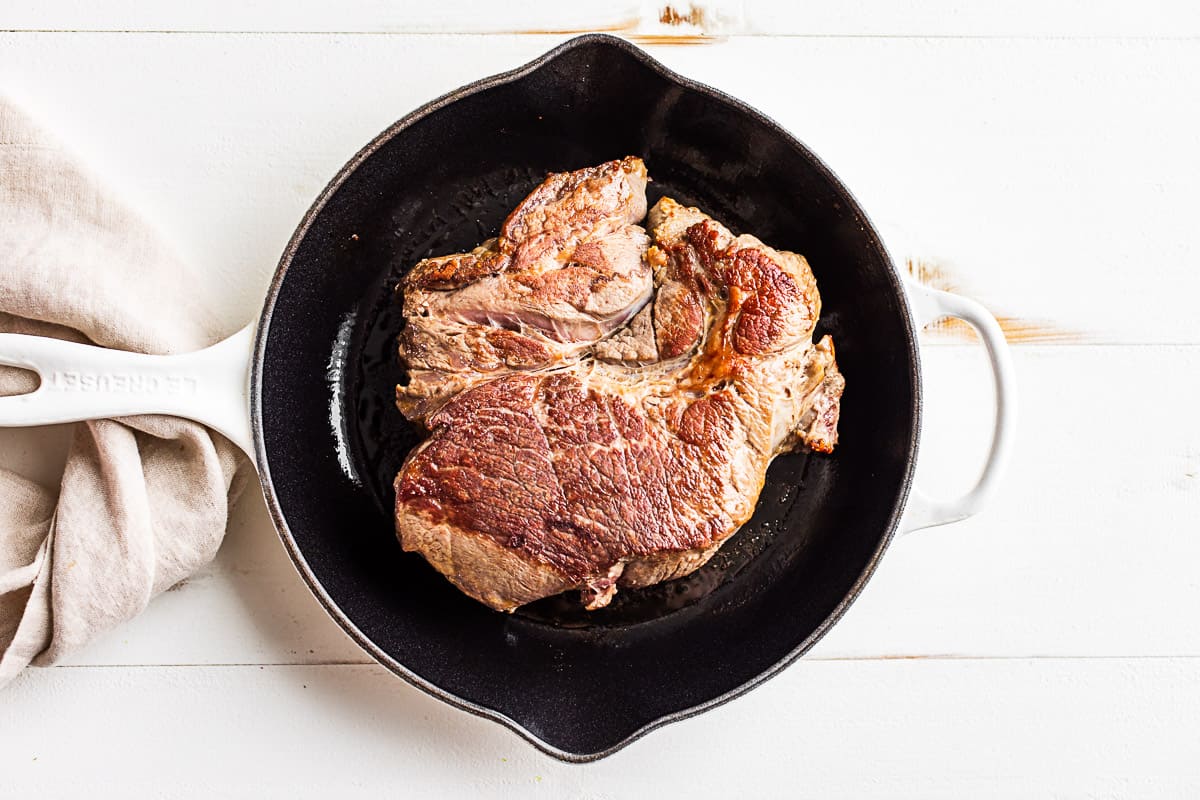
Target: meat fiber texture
pixel 602 402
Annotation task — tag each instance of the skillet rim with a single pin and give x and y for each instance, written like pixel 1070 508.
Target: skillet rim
pixel 259 357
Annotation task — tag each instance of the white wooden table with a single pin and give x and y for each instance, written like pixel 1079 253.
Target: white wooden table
pixel 1043 158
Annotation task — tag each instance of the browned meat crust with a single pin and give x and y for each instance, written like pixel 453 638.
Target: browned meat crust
pixel 630 456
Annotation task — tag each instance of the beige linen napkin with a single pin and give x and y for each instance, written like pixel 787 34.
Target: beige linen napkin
pixel 144 501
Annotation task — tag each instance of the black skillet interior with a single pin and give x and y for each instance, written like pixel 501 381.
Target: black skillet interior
pixel 579 685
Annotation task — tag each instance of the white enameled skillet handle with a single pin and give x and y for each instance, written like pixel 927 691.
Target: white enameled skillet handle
pixel 930 305
pixel 80 381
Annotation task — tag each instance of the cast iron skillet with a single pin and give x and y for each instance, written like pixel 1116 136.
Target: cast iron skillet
pixel 328 441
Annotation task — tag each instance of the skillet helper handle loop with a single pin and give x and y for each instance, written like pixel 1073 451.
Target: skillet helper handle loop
pixel 80 381
pixel 930 305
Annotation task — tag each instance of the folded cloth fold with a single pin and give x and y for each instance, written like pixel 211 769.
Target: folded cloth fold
pixel 143 501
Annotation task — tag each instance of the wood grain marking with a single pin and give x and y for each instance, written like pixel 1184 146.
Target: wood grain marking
pixel 694 16
pixel 1017 330
pixel 654 39
pixel 896 657
pixel 931 274
pixel 625 26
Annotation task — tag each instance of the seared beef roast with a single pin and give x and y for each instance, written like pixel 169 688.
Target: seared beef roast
pixel 602 404
pixel 567 269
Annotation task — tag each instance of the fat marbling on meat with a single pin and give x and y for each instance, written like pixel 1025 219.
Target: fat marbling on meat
pixel 602 402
